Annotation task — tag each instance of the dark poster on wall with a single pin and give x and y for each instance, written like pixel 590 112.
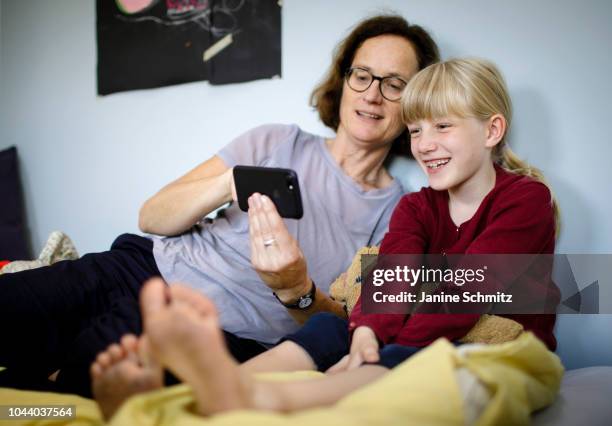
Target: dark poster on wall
pixel 153 43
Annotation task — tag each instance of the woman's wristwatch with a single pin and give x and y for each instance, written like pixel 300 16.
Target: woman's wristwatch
pixel 304 302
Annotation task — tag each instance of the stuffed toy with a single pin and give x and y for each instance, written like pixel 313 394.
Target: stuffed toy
pixel 58 247
pixel 489 328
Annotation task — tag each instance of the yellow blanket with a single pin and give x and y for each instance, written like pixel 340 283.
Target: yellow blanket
pixel 521 376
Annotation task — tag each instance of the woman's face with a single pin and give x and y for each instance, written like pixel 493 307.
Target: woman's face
pixel 452 151
pixel 367 117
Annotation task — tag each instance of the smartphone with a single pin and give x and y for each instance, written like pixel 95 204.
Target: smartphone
pixel 280 185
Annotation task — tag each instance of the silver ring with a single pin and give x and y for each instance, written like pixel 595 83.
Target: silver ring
pixel 269 242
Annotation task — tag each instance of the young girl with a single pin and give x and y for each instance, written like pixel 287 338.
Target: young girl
pixel 481 199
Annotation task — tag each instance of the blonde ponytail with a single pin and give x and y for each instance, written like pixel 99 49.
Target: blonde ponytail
pixel 511 162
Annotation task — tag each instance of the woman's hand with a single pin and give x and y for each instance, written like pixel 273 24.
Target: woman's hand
pixel 275 254
pixel 364 348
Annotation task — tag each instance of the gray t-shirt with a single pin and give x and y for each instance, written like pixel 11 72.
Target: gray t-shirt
pixel 339 218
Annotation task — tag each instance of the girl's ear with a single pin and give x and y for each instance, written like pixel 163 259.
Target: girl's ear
pixel 496 129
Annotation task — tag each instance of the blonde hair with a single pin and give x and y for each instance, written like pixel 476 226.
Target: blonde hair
pixel 468 88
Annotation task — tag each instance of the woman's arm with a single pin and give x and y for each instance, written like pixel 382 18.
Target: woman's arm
pixel 182 203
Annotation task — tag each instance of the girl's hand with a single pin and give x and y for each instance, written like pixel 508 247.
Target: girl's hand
pixel 275 254
pixel 364 348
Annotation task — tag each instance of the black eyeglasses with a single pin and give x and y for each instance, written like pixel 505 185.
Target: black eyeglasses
pixel 360 80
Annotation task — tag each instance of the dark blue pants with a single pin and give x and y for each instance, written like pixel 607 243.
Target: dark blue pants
pixel 63 315
pixel 325 338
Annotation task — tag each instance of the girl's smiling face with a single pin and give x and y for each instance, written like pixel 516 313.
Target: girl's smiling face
pixel 455 152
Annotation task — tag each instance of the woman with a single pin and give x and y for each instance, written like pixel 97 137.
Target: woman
pixel 56 319
pixel 481 199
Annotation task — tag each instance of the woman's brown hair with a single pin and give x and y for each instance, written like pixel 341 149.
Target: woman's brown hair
pixel 326 96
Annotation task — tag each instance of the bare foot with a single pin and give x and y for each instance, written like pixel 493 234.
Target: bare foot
pixel 123 370
pixel 183 330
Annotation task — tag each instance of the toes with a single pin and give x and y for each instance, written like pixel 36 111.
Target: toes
pixel 95 370
pixel 103 360
pixel 182 294
pixel 129 342
pixel 194 299
pixel 153 297
pixel 115 352
pixel 145 353
pixel 149 361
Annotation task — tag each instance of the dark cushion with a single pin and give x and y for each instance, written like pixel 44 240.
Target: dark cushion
pixel 13 244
